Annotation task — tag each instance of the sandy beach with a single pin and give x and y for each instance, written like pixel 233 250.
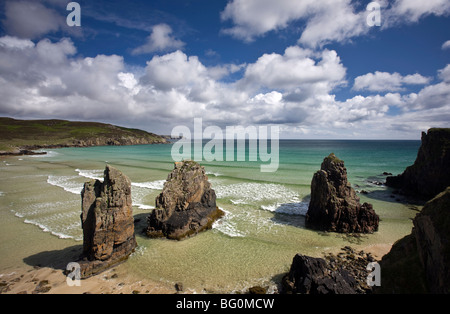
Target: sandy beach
pixel 33 280
pixel 47 280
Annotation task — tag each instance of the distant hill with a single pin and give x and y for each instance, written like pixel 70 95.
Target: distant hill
pixel 22 136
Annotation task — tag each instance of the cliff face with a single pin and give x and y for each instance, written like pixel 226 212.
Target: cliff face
pixel 334 205
pixel 420 262
pixel 430 173
pixel 107 222
pixel 19 136
pixel 187 204
pixel 432 232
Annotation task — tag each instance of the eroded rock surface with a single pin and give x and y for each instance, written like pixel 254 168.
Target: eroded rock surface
pixel 334 205
pixel 187 204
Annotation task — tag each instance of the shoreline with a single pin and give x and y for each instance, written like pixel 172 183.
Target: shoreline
pixel 48 280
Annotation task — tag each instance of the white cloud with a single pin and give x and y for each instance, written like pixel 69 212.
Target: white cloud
pixel 446 45
pixel 32 19
pixel 411 11
pixel 323 21
pixel 295 89
pixel 159 40
pixel 297 68
pixel 384 81
pixel 444 74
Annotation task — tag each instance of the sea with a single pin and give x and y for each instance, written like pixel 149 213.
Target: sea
pixel 253 244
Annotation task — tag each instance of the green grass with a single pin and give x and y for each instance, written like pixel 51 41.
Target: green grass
pixel 33 134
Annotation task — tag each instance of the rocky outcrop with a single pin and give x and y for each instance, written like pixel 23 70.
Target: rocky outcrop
pixel 310 275
pixel 343 273
pixel 420 262
pixel 186 206
pixel 107 222
pixel 334 205
pixel 432 233
pixel 430 173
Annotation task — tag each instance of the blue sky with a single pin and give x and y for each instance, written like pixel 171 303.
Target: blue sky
pixel 314 68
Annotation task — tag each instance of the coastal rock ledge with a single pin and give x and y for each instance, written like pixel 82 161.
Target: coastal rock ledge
pixel 334 205
pixel 186 205
pixel 107 222
pixel 430 173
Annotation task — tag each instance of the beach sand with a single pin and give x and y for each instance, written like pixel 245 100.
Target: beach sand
pixel 32 280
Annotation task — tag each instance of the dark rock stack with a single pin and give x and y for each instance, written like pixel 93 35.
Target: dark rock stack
pixel 344 273
pixel 107 222
pixel 430 173
pixel 420 262
pixel 334 205
pixel 186 206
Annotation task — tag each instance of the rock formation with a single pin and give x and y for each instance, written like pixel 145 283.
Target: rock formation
pixel 107 222
pixel 420 262
pixel 430 173
pixel 310 275
pixel 187 204
pixel 343 273
pixel 334 205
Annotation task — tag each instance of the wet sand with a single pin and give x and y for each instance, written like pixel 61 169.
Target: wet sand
pixel 36 280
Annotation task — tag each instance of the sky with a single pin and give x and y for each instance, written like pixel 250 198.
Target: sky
pixel 317 69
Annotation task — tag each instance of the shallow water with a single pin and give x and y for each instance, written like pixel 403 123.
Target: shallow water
pixel 254 243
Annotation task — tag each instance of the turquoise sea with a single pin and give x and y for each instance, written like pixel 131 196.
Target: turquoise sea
pixel 253 244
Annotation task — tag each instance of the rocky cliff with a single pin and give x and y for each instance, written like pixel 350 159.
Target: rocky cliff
pixel 420 262
pixel 107 222
pixel 21 136
pixel 430 173
pixel 187 204
pixel 334 205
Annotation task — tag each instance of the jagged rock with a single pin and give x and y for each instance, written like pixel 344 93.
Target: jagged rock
pixel 310 275
pixel 107 222
pixel 420 262
pixel 432 233
pixel 187 204
pixel 334 205
pixel 430 173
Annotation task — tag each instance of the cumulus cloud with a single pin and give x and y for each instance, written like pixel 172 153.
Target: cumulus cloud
pixel 160 39
pixel 324 21
pixel 384 81
pixel 253 18
pixel 297 68
pixel 295 89
pixel 446 45
pixel 411 11
pixel 32 19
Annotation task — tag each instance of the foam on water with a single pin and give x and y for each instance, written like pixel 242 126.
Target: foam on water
pixel 153 185
pixel 91 174
pixel 50 153
pixel 68 183
pixel 54 217
pixel 215 174
pixel 249 193
pixel 227 225
pixel 294 207
pixel 140 190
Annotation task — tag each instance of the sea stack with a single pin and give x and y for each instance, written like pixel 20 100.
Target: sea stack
pixel 107 222
pixel 430 173
pixel 186 205
pixel 334 205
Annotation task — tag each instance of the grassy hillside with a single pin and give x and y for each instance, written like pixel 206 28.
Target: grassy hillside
pixel 35 134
